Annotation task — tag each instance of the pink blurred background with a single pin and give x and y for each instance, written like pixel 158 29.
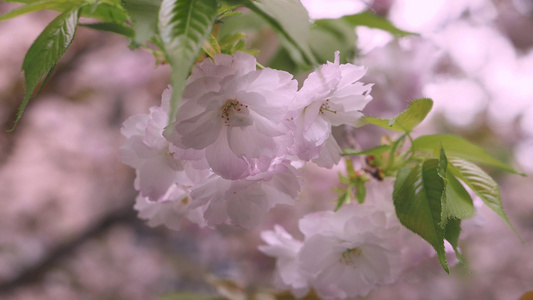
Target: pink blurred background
pixel 67 227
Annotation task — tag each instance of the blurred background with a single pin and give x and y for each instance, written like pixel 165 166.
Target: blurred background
pixel 67 225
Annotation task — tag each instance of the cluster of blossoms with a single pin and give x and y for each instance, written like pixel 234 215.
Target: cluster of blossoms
pixel 236 139
pixel 349 252
pixel 234 152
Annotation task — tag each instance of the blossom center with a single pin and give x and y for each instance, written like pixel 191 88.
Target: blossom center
pixel 235 114
pixel 325 107
pixel 349 256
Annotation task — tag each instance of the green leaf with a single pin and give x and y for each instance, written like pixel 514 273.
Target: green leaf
pixel 418 193
pixel 106 10
pixel 184 26
pixel 360 191
pixel 482 184
pixel 231 43
pixel 330 35
pixel 211 46
pixel 451 234
pixel 406 120
pixel 291 20
pixel 378 150
pixel 111 27
pixel 343 198
pixel 459 147
pixel 458 203
pixel 32 6
pixel 110 11
pixel 46 51
pixel 372 20
pixel 227 10
pixel 143 15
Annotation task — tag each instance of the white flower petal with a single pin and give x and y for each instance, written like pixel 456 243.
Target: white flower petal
pixel 199 131
pixel 247 207
pixel 330 154
pixel 224 162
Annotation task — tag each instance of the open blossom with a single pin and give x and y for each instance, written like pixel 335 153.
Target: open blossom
pixel 236 114
pixel 245 202
pixel 171 211
pixel 331 96
pixel 285 248
pixel 147 150
pixel 350 254
pixel 344 254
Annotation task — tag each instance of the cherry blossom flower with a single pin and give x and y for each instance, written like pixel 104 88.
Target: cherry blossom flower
pixel 147 150
pixel 330 96
pixel 350 254
pixel 236 114
pixel 285 248
pixel 171 211
pixel 245 202
pixel 344 254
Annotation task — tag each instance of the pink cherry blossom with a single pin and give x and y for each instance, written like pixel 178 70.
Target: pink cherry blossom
pixel 147 150
pixel 235 114
pixel 171 211
pixel 285 248
pixel 350 254
pixel 245 202
pixel 344 254
pixel 330 96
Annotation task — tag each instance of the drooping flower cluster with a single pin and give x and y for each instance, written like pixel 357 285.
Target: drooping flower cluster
pixel 344 254
pixel 235 139
pixel 347 253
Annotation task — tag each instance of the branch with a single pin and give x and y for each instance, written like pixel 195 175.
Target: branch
pixel 32 274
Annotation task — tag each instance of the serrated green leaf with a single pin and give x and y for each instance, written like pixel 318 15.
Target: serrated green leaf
pixel 184 26
pixel 378 150
pixel 111 27
pixel 458 203
pixel 46 51
pixel 461 148
pixel 406 120
pixel 369 19
pixel 482 184
pixel 417 195
pixel 32 6
pixel 443 164
pixel 451 234
pixel 143 15
pixel 441 171
pixel 291 20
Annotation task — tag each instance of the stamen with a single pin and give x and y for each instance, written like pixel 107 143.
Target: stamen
pixel 325 107
pixel 348 257
pixel 232 106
